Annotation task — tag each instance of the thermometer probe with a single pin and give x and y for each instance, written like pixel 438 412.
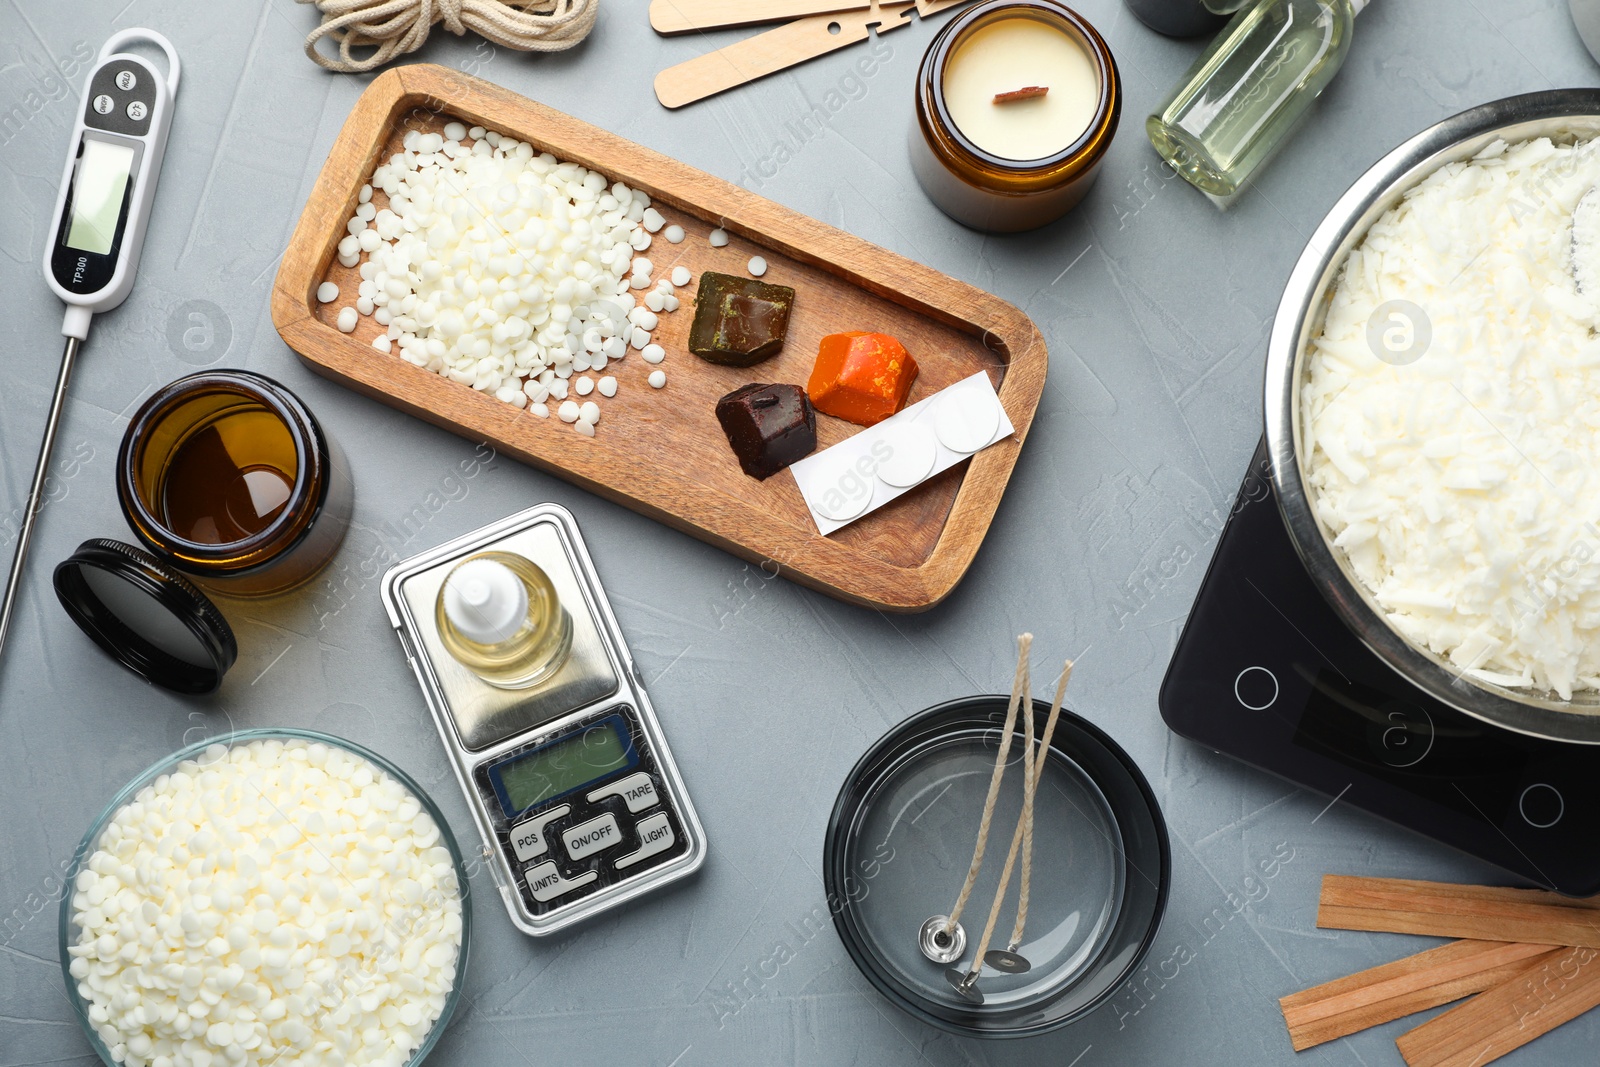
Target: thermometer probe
pixel 98 227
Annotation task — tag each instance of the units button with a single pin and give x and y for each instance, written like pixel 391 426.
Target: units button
pixel 596 835
pixel 527 837
pixel 547 883
pixel 655 837
pixel 638 790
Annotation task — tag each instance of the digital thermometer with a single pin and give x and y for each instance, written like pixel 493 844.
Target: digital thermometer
pixel 102 209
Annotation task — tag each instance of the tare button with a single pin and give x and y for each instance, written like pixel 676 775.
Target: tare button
pixel 547 883
pixel 596 835
pixel 637 790
pixel 655 837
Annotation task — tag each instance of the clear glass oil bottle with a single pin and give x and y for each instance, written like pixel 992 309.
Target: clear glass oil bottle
pixel 1247 91
pixel 499 616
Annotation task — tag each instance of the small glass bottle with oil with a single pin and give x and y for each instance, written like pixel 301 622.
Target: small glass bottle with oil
pixel 499 616
pixel 1248 90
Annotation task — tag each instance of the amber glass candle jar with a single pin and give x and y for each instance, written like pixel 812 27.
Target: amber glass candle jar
pixel 230 477
pixel 1017 163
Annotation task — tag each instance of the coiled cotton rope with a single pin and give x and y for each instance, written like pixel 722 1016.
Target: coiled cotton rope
pixel 396 27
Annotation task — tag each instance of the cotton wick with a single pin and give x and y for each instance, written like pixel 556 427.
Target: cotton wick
pixel 1027 92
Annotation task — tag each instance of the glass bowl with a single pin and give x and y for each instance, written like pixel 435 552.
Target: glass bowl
pixel 901 838
pixel 86 848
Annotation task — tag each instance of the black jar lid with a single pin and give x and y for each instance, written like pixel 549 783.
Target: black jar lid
pixel 154 621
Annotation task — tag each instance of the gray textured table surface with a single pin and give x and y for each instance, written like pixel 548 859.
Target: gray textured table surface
pixel 1155 307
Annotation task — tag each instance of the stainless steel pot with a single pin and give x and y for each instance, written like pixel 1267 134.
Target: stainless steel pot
pixel 1563 114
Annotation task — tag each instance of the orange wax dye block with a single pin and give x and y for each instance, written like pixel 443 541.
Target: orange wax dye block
pixel 861 377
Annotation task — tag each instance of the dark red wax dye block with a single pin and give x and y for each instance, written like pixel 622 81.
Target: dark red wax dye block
pixel 769 426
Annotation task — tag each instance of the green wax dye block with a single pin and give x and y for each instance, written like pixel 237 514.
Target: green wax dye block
pixel 738 322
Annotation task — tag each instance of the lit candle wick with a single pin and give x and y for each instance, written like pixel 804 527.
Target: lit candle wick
pixel 1027 92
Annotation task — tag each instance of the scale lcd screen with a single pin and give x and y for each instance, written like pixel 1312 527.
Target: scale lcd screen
pixel 97 193
pixel 561 767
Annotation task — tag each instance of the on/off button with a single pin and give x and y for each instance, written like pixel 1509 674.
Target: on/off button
pixel 1256 688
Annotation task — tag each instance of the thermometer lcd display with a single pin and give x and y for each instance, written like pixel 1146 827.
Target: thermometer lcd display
pixel 97 193
pixel 561 767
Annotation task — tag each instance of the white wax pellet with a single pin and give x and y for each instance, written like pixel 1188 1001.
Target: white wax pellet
pixel 589 412
pixel 365 194
pixel 585 386
pixel 327 292
pixel 653 353
pixel 455 131
pixel 608 386
pixel 539 408
pixel 719 237
pixel 347 320
pixel 349 245
pixel 681 275
pixel 614 348
pixel 640 240
pixel 367 211
pixel 639 281
pixel 758 266
pixel 382 317
pixel 350 260
pixel 675 234
pixel 558 388
pixel 643 266
pixel 654 300
pixel 568 411
pixel 658 378
pixel 653 221
pixel 364 305
pixel 640 337
pixel 476 133
pixel 381 344
pixel 670 303
pixel 585 428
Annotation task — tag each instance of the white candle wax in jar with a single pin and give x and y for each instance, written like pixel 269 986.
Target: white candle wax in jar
pixel 1021 53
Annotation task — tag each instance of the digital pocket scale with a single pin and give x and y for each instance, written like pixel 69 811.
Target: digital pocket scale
pixel 576 796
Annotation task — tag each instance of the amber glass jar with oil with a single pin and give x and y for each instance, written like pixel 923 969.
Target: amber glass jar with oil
pixel 977 185
pixel 228 475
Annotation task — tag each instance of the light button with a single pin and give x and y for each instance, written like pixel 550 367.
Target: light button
pixel 547 883
pixel 527 838
pixel 138 110
pixel 104 104
pixel 655 837
pixel 637 790
pixel 596 835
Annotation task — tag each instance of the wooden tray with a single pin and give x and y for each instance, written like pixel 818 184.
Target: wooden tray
pixel 662 453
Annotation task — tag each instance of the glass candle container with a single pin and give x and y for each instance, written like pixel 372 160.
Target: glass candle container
pixel 228 476
pixel 1016 105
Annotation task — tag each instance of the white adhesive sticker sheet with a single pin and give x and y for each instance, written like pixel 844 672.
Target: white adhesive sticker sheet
pixel 866 471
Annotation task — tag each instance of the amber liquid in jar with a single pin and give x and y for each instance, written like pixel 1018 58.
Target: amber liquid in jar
pixel 228 476
pixel 231 479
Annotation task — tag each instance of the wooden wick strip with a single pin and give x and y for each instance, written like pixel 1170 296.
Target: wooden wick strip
pixel 1406 986
pixel 1027 92
pixel 1510 1015
pixel 1482 913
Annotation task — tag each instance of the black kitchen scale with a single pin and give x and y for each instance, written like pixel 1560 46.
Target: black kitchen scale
pixel 1267 673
